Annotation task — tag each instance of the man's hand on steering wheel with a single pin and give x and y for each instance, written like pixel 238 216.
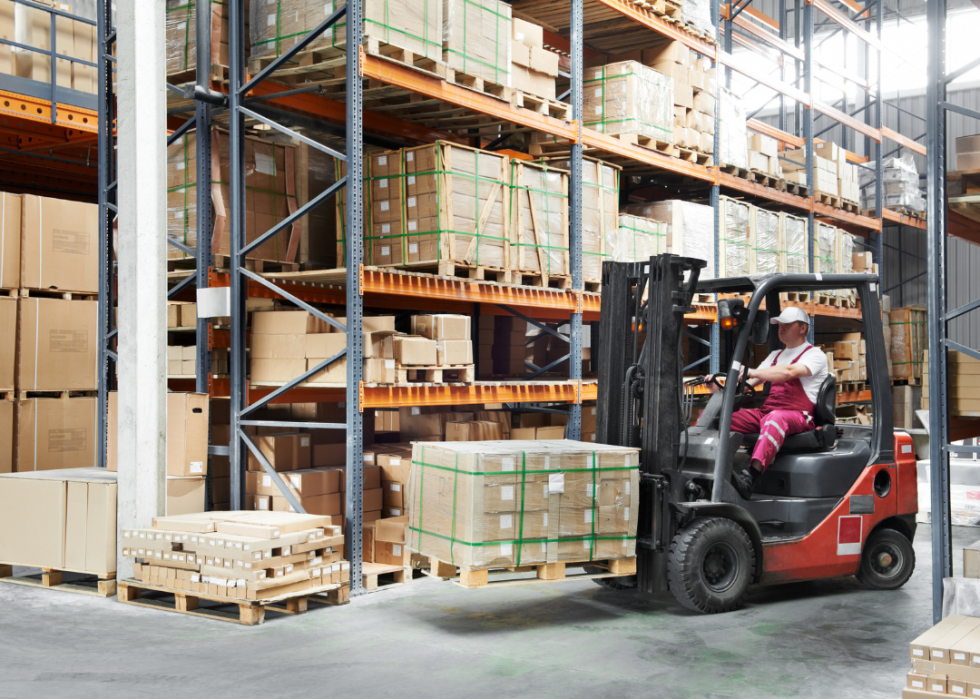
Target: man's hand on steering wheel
pixel 711 381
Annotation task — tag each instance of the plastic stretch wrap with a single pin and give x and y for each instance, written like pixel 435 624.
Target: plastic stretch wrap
pixel 508 503
pixel 899 181
pixel 476 37
pixel 697 13
pixel 639 239
pixel 181 38
pixel 431 204
pixel 845 252
pixel 736 243
pixel 270 196
pixel 600 212
pixel 629 98
pixel 414 25
pixel 732 130
pixel 765 242
pixel 792 237
pixel 825 249
pixel 690 229
pixel 539 218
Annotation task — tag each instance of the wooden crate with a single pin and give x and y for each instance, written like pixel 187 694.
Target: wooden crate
pixel 909 342
pixel 539 221
pixel 436 207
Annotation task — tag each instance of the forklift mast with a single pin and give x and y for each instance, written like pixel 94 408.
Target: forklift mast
pixel 640 388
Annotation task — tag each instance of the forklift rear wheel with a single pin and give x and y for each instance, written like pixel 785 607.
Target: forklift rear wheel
pixel 711 565
pixel 887 560
pixel 622 582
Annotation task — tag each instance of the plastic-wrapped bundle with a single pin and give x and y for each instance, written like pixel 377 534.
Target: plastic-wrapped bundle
pixel 845 250
pixel 539 218
pixel 275 26
pixel 735 255
pixel 476 37
pixel 825 249
pixel 765 241
pixel 792 241
pixel 690 229
pixel 629 98
pixel 600 212
pixel 899 182
pixel 732 130
pixel 639 238
pixel 181 27
pixel 494 504
pixel 697 13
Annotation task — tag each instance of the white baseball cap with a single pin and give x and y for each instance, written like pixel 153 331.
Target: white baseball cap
pixel 791 315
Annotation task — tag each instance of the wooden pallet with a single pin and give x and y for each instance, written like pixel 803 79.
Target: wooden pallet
pixel 850 206
pixel 258 266
pixel 702 298
pixel 25 395
pixel 249 612
pixel 457 270
pixel 409 59
pixel 592 285
pixel 800 190
pixel 828 300
pixel 435 374
pixel 919 215
pixel 378 576
pixel 735 170
pixel 828 199
pixel 478 84
pixel 541 105
pixel 794 296
pixel 53 579
pixel 550 281
pixel 54 294
pixel 851 386
pixel 648 143
pixel 907 382
pixel 543 572
pixel 763 178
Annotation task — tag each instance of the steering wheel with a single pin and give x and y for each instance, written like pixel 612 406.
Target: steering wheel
pixel 747 388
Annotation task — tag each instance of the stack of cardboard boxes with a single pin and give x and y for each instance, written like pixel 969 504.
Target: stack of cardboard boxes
pixel 763 156
pixel 909 342
pixel 241 555
pixel 847 177
pixel 181 34
pixel 32 27
pixel 964 384
pixel 946 659
pixel 533 68
pixel 850 358
pixel 446 336
pixel 475 40
pixel 502 341
pixel 825 173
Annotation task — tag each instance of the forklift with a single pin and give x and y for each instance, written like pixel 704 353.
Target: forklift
pixel 839 500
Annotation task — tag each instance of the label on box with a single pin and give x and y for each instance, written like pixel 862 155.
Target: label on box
pixel 382 160
pixel 598 92
pixel 179 166
pixel 556 483
pixel 959 656
pixel 506 549
pixel 395 513
pixel 389 364
pixel 413 248
pixel 295 481
pixel 626 513
pixel 416 411
pixel 395 487
pixel 588 489
pixel 507 464
pixel 386 228
pixel 396 549
pixel 413 225
pixel 547 461
pixel 197 467
pixel 266 483
pixel 368 459
pixel 506 521
pixel 395 460
pixel 304 441
pixel 409 156
pixel 588 516
pixel 411 178
pixel 384 206
pixel 411 202
pixel 598 74
pixel 598 109
pixel 385 250
pixel 627 487
pixel 546 519
pixel 519 36
pixel 506 492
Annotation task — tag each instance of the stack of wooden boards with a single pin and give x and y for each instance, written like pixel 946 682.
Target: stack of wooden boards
pixel 946 660
pixel 483 505
pixel 241 555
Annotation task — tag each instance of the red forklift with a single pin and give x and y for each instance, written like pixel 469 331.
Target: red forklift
pixel 839 500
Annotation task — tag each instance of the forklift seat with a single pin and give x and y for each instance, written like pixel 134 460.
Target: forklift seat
pixel 823 436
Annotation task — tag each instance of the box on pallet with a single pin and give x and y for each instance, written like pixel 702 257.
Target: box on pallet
pixel 909 342
pixel 690 228
pixel 964 382
pixel 10 234
pixel 735 244
pixel 59 246
pixel 187 433
pixel 181 34
pixel 57 347
pixel 533 68
pixel 55 433
pixel 732 130
pixel 476 39
pixel 451 200
pixel 793 242
pixel 766 253
pixel 539 219
pixel 639 239
pixel 825 249
pixel 493 504
pixel 629 98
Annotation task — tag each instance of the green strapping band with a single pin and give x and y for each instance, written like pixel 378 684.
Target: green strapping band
pixel 528 472
pixel 632 122
pixel 520 531
pixel 562 539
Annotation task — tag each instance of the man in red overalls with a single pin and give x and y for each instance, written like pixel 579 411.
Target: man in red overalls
pixel 795 374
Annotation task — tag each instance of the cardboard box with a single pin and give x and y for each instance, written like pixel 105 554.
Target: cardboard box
pixel 283 451
pixel 920 648
pixel 454 352
pixel 187 434
pixel 474 431
pixel 59 519
pixel 10 225
pixel 971 560
pixel 57 348
pixel 60 244
pixel 442 327
pixel 412 350
pixel 303 483
pixel 6 436
pixel 8 342
pixel 326 504
pixel 55 433
pixel 185 495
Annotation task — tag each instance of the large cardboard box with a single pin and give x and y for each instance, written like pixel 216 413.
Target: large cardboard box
pixel 55 433
pixel 7 32
pixel 631 98
pixel 60 245
pixel 284 452
pixel 10 225
pixel 6 436
pixel 185 494
pixel 476 39
pixel 8 342
pixel 57 345
pixel 59 519
pixel 187 434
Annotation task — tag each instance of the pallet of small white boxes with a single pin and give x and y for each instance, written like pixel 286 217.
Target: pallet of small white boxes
pixel 259 557
pixel 946 660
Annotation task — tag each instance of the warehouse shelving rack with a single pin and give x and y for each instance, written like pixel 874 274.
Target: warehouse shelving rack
pixel 358 287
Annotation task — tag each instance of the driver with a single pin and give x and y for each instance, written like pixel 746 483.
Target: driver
pixel 795 374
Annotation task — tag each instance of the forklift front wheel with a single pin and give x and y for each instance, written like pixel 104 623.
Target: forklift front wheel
pixel 711 565
pixel 887 560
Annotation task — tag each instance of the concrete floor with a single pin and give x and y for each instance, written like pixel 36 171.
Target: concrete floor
pixel 555 640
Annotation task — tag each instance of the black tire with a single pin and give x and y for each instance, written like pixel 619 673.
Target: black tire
pixel 887 560
pixel 625 582
pixel 711 565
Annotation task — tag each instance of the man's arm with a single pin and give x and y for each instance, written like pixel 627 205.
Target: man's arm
pixel 779 374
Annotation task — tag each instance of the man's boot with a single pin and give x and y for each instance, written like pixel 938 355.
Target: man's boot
pixel 745 481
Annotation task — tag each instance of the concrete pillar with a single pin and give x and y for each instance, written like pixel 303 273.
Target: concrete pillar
pixel 142 124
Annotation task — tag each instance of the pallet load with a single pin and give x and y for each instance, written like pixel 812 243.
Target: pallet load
pixel 792 241
pixel 675 60
pixel 56 345
pixel 850 358
pixel 766 252
pixel 255 556
pixel 735 241
pixel 690 228
pixel 59 245
pixel 639 239
pixel 539 223
pixel 825 173
pixel 451 201
pixel 909 342
pixel 11 210
pixel 964 384
pixel 825 248
pixel 270 197
pixel 899 182
pixel 475 44
pixel 600 211
pixel 533 68
pixel 452 344
pixel 763 155
pixel 847 177
pixel 32 27
pixel 731 130
pixel 845 263
pixel 277 25
pixel 944 659
pixel 631 101
pixel 181 38
pixel 483 505
pixel 697 14
pixel 55 433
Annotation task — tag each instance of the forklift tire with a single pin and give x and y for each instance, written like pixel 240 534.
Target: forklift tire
pixel 623 582
pixel 711 565
pixel 887 560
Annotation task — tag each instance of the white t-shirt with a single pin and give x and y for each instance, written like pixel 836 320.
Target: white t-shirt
pixel 814 359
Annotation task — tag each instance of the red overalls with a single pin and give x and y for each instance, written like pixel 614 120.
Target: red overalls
pixel 787 410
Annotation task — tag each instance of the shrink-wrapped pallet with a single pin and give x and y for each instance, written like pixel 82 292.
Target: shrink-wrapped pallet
pixel 732 130
pixel 629 98
pixel 793 237
pixel 639 238
pixel 690 228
